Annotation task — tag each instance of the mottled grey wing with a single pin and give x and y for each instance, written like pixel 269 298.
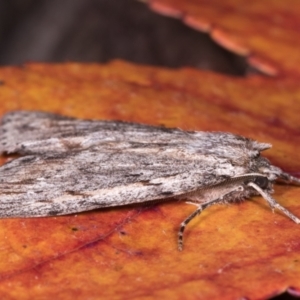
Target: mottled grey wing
pixel 80 165
pixel 62 184
pixel 30 132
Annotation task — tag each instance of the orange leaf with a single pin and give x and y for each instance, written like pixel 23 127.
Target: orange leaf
pixel 234 250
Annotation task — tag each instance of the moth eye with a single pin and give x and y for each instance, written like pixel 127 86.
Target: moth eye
pixel 262 182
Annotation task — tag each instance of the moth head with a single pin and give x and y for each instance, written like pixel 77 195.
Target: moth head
pixel 264 167
pixel 271 172
pixel 263 182
pixel 274 173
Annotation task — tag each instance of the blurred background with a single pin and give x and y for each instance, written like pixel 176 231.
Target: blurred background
pixel 102 30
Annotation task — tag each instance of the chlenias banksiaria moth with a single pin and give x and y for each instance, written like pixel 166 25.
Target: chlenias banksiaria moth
pixel 71 165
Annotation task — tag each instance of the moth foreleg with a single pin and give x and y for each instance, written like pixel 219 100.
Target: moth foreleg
pixel 273 204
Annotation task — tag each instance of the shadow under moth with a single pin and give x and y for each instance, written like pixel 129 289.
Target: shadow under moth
pixel 71 165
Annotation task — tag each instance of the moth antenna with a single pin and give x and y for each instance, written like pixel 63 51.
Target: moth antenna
pixel 272 202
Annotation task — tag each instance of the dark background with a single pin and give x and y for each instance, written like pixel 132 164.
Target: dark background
pixel 102 30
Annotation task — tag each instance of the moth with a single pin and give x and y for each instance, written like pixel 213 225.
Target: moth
pixel 68 165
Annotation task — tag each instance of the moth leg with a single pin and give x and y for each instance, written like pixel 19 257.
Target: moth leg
pixel 273 204
pixel 192 216
pixel 201 207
